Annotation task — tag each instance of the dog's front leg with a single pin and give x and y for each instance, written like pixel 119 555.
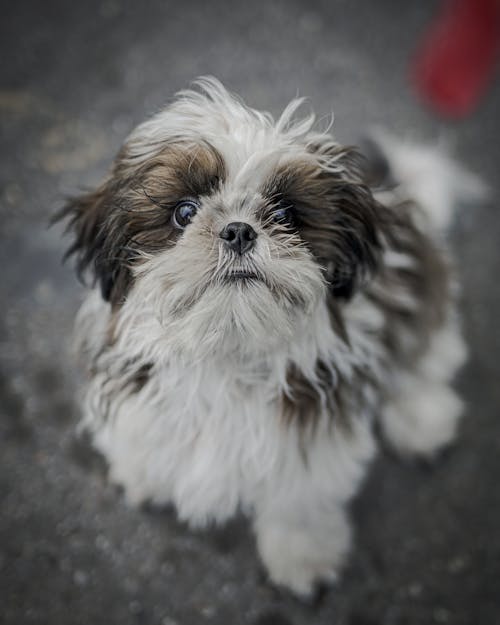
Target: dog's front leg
pixel 303 533
pixel 302 540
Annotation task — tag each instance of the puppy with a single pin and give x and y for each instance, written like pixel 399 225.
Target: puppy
pixel 257 310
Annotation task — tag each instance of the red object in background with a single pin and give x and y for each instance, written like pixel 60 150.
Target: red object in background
pixel 458 55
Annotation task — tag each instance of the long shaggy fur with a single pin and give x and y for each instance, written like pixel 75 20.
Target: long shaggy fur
pixel 222 381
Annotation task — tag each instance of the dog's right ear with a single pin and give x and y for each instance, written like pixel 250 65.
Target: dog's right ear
pixel 97 246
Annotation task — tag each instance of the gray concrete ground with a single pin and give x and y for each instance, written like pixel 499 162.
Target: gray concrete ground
pixel 74 79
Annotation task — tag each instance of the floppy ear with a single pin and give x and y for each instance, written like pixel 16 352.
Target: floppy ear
pixel 98 245
pixel 340 219
pixel 358 222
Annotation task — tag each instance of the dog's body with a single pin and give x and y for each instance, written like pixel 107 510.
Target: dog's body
pixel 260 310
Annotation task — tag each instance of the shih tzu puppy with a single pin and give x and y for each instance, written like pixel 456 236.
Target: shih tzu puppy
pixel 259 311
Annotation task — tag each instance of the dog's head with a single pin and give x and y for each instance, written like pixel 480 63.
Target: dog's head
pixel 227 223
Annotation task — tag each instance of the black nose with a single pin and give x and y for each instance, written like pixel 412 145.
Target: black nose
pixel 240 237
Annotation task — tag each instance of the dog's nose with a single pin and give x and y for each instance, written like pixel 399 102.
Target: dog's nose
pixel 239 236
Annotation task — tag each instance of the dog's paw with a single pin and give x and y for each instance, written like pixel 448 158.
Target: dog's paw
pixel 302 561
pixel 423 424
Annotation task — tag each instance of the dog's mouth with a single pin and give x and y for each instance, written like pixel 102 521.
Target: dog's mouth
pixel 243 276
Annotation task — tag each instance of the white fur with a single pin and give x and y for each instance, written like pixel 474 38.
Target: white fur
pixel 208 438
pixel 430 177
pixel 204 432
pixel 422 418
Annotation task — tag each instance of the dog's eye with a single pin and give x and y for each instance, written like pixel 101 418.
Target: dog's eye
pixel 184 213
pixel 283 214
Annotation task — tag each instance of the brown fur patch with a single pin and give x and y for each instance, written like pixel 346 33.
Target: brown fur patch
pixel 347 231
pixel 335 215
pixel 303 403
pixel 131 212
pixel 338 219
pixel 426 282
pixel 139 378
pixel 331 395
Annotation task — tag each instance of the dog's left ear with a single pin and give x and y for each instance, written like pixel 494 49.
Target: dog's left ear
pixel 97 244
pixel 341 220
pixel 358 223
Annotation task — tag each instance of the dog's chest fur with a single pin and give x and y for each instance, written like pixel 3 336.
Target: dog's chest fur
pixel 211 436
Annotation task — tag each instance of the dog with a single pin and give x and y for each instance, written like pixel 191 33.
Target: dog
pixel 262 313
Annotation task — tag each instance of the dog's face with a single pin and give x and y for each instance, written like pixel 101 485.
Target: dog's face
pixel 229 226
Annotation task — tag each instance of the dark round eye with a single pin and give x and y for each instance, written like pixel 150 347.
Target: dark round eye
pixel 184 213
pixel 283 213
